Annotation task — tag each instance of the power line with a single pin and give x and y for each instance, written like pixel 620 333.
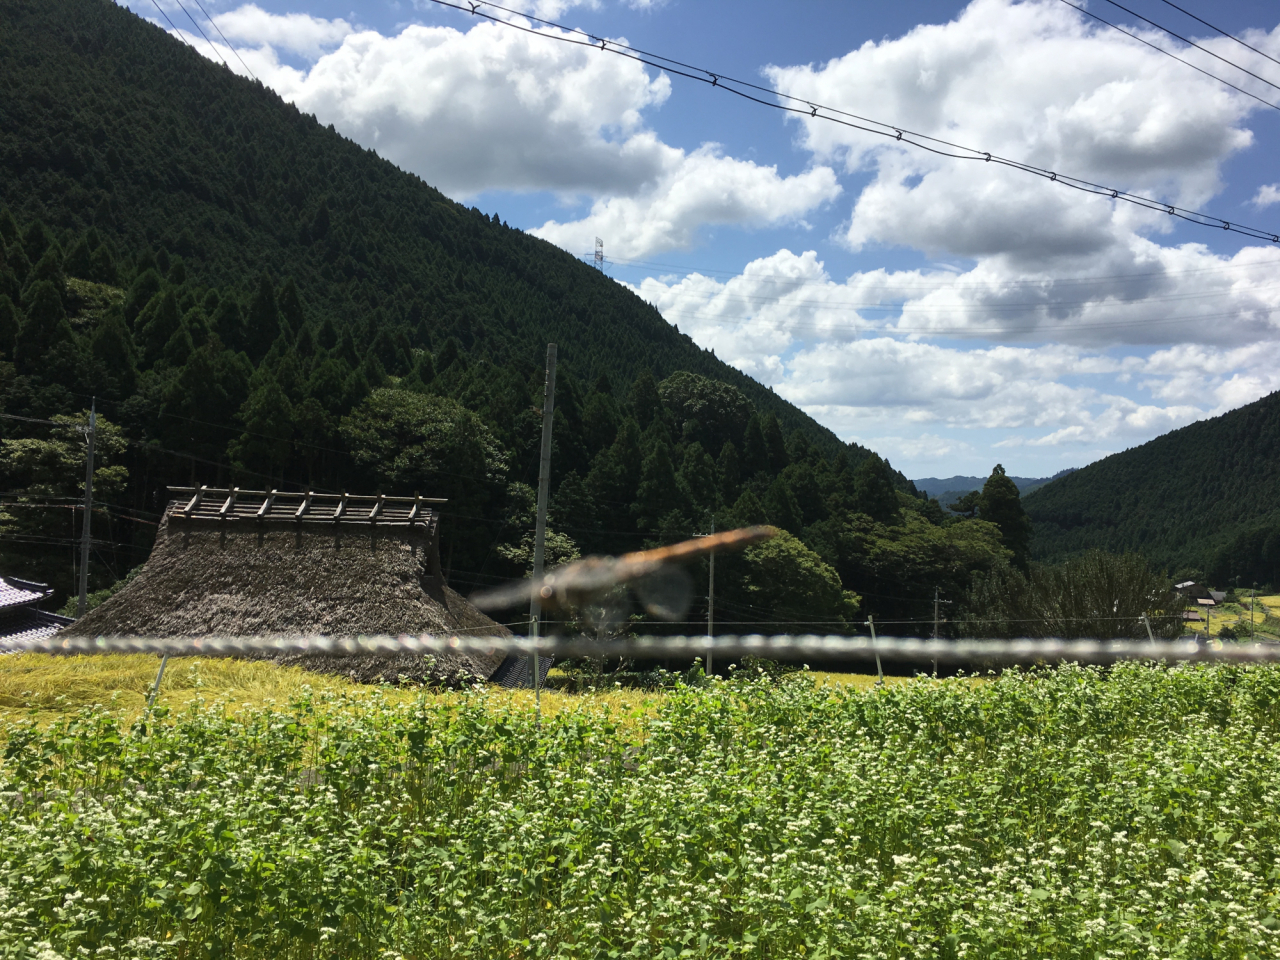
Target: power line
pixel 712 272
pixel 967 331
pixel 156 4
pixel 817 111
pixel 1192 43
pixel 215 26
pixel 1229 36
pixel 202 33
pixel 1153 46
pixel 881 305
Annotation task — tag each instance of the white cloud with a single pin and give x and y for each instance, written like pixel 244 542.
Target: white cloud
pixel 489 108
pixel 494 108
pixel 1035 82
pixel 1267 195
pixel 1145 294
pixel 819 344
pixel 695 190
pixel 1048 396
pixel 298 33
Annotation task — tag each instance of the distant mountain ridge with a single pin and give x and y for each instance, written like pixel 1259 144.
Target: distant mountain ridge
pixel 1178 499
pixel 941 488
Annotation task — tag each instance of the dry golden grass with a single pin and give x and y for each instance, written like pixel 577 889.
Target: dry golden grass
pixel 51 686
pixel 54 685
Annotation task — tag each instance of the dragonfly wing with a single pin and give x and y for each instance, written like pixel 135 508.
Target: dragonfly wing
pixel 501 598
pixel 665 592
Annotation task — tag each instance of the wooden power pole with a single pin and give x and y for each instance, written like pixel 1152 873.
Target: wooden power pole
pixel 82 603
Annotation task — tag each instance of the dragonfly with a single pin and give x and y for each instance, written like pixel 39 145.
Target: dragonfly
pixel 594 582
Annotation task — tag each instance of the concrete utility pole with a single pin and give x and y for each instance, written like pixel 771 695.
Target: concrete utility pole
pixel 83 602
pixel 935 627
pixel 711 599
pixel 871 622
pixel 540 535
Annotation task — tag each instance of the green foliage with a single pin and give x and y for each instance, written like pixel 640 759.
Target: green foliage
pixel 708 411
pixel 898 566
pixel 1067 813
pixel 1177 499
pixel 783 586
pixel 412 442
pixel 1096 595
pixel 1001 504
pixel 873 491
pixel 9 325
pixel 39 472
pixel 1252 556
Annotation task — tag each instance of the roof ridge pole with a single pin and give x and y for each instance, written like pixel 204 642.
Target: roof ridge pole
pixel 82 603
pixel 540 534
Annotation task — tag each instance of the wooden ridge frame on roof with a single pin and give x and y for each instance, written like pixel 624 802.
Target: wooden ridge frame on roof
pixel 235 503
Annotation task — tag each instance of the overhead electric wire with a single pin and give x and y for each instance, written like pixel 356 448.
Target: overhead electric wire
pixel 215 26
pixel 156 4
pixel 1192 43
pixel 1229 36
pixel 202 33
pixel 712 272
pixel 881 305
pixel 1153 46
pixel 971 331
pixel 818 111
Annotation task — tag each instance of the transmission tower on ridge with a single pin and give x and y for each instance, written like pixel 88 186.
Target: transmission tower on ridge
pixel 599 254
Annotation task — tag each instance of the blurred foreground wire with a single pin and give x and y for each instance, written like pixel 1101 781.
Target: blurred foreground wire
pixel 800 648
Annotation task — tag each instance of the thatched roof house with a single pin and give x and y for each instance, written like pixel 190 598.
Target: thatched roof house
pixel 243 563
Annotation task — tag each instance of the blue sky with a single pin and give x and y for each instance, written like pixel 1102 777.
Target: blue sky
pixel 948 314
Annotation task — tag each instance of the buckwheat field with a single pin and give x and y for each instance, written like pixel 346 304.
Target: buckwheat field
pixel 1059 813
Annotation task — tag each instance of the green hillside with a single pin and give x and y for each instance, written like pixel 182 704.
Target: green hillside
pixel 1203 497
pixel 253 299
pixel 106 121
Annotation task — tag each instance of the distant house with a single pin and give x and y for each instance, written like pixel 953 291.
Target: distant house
pixel 269 564
pixel 21 620
pixel 1200 593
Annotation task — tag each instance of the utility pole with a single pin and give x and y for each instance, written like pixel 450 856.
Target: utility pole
pixel 1253 602
pixel 935 629
pixel 711 600
pixel 83 602
pixel 871 622
pixel 599 254
pixel 540 534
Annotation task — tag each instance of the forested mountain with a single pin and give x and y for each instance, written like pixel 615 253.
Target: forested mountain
pixel 106 121
pixel 253 299
pixel 1205 498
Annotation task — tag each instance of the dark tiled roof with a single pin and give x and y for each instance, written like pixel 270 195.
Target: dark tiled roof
pixel 20 593
pixel 25 625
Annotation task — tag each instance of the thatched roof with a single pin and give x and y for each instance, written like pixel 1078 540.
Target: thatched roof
pixel 247 577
